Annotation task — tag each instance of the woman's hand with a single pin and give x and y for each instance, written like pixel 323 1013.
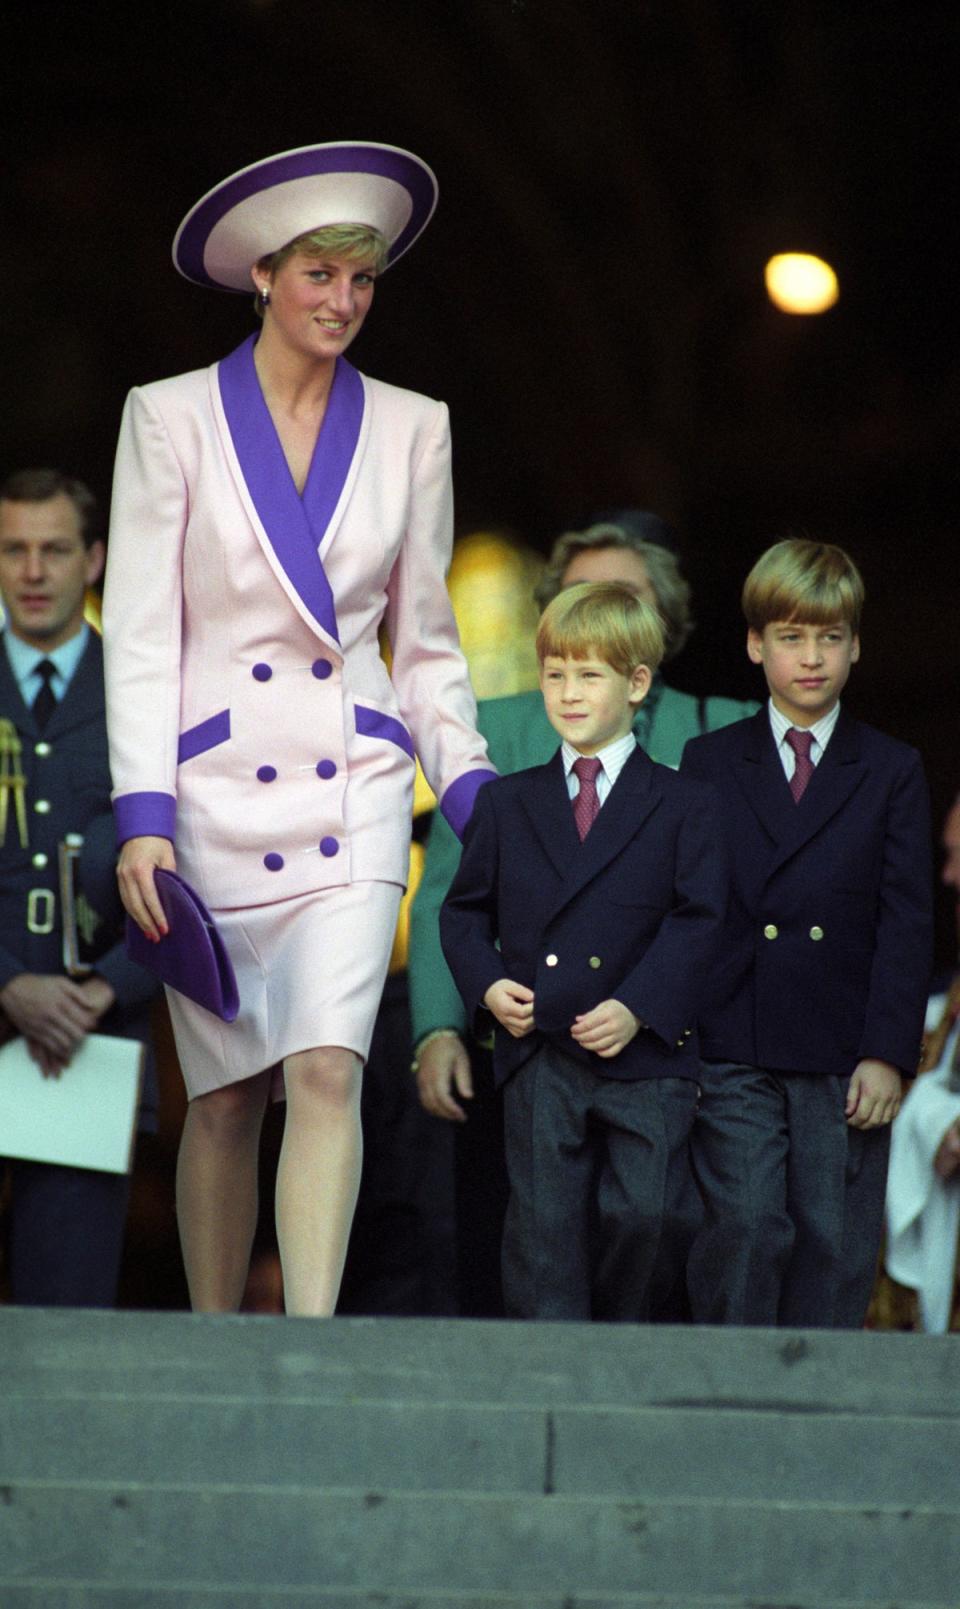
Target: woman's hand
pixel 139 858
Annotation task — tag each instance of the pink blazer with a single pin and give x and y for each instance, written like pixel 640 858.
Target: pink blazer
pixel 251 717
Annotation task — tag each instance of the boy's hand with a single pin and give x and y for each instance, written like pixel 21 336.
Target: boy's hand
pixel 874 1095
pixel 606 1029
pixel 512 1005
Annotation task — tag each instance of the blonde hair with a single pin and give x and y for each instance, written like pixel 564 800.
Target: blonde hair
pixel 812 583
pixel 605 620
pixel 356 242
pixel 673 592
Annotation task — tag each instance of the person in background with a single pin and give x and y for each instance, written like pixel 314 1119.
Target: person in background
pixel 65 1225
pixel 923 1187
pixel 452 1069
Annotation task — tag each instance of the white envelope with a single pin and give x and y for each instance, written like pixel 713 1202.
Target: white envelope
pixel 86 1118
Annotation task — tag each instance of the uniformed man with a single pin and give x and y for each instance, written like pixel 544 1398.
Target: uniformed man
pixel 65 1225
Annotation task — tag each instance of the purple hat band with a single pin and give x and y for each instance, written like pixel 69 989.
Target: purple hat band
pixel 217 243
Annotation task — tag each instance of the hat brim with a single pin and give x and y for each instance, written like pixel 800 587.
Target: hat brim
pixel 261 208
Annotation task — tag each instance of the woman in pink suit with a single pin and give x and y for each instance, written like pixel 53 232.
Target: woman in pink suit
pixel 269 513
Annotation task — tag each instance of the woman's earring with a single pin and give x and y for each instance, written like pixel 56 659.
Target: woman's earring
pixel 264 296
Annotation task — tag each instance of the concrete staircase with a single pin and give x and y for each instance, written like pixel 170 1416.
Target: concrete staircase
pixel 165 1461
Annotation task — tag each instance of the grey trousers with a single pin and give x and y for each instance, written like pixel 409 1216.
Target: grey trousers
pixel 794 1201
pixel 598 1217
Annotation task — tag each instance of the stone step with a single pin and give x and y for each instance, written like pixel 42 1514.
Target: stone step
pixel 238 1596
pixel 477 1361
pixel 123 1535
pixel 643 1453
pixel 174 1460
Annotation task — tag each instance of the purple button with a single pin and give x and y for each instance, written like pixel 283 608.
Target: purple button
pixel 262 672
pixel 273 862
pixel 266 773
pixel 329 846
pixel 326 769
pixel 322 668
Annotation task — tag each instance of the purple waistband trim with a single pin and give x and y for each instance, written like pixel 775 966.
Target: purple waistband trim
pixel 197 739
pixel 145 815
pixel 457 803
pixel 373 723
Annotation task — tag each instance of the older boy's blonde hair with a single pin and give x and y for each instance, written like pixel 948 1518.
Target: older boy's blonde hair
pixel 601 620
pixel 812 583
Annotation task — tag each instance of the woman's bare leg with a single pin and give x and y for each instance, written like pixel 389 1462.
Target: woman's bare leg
pixel 319 1175
pixel 217 1191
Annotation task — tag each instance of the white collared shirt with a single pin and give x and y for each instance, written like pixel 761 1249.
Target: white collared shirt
pixel 612 761
pixel 821 732
pixel 24 660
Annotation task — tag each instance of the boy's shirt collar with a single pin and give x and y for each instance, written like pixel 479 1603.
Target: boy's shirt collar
pixel 821 732
pixel 612 759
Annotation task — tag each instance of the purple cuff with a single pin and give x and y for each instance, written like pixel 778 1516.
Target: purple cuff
pixel 457 803
pixel 145 815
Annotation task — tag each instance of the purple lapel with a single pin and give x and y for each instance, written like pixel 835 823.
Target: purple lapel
pixel 295 526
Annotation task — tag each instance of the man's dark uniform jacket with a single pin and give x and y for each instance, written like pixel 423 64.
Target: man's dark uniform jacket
pixel 68 791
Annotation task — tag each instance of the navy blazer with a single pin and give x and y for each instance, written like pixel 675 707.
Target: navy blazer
pixel 828 938
pixel 67 770
pixel 633 913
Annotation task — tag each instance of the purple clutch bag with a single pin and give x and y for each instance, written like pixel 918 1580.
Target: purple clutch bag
pixel 191 958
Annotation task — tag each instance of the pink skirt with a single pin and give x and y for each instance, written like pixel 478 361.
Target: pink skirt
pixel 310 972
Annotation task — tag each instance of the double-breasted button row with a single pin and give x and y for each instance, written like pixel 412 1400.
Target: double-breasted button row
pixel 328 847
pixel 684 1037
pixel 771 931
pixel 554 960
pixel 321 668
pixel 326 769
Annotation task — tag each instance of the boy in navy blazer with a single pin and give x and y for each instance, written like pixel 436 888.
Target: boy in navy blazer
pixel 584 917
pixel 819 998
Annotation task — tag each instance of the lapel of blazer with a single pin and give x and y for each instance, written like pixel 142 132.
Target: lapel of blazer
pixel 291 528
pixel 634 795
pixel 545 799
pixel 760 774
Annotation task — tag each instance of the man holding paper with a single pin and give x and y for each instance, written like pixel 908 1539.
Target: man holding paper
pixel 66 1223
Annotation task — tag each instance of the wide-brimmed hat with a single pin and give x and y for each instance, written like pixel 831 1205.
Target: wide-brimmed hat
pixel 263 207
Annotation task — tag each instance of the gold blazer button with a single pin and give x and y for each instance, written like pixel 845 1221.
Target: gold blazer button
pixel 770 931
pixel 816 932
pixel 552 960
pixel 595 962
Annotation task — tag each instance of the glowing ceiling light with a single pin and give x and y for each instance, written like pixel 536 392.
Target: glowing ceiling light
pixel 799 283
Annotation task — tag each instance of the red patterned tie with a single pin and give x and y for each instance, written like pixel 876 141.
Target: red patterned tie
pixel 586 805
pixel 801 743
